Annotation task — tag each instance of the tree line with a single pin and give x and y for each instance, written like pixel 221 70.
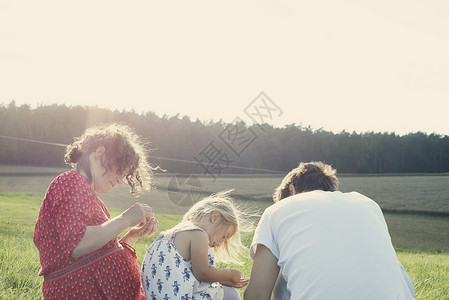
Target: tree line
pixel 35 136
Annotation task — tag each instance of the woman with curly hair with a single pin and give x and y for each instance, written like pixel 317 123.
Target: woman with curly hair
pixel 80 255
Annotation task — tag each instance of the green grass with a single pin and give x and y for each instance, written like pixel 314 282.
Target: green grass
pixel 429 271
pixel 19 260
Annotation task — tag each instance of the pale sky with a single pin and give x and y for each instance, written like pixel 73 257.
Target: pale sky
pixel 379 66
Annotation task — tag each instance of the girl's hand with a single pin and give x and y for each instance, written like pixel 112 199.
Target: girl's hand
pixel 242 282
pixel 235 276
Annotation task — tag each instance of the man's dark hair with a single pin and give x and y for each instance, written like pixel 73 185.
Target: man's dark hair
pixel 306 177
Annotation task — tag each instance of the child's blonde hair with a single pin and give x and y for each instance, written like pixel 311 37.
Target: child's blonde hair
pixel 230 250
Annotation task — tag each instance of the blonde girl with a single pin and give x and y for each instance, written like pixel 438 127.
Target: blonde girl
pixel 180 264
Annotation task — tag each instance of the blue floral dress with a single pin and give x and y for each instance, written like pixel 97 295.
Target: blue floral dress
pixel 167 275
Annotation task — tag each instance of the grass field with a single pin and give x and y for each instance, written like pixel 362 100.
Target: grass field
pixel 19 261
pixel 421 241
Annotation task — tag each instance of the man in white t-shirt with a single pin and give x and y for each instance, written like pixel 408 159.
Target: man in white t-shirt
pixel 327 244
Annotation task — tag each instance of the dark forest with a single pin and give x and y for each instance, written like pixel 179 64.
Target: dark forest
pixel 35 137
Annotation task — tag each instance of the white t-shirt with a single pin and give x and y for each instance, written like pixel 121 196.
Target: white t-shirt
pixel 332 245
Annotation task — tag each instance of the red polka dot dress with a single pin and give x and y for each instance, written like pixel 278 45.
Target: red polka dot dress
pixel 112 272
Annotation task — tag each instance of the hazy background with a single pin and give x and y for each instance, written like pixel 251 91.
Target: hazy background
pixel 377 66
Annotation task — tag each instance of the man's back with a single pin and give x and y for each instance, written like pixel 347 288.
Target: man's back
pixel 332 245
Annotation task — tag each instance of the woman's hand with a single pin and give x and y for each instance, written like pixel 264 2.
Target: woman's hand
pixel 241 283
pixel 143 230
pixel 137 214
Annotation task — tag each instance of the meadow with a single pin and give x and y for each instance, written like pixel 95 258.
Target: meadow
pixel 416 209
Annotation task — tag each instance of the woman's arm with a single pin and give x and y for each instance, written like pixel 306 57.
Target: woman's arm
pixel 97 236
pixel 199 246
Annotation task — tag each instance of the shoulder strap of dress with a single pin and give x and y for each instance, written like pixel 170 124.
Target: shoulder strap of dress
pixel 184 226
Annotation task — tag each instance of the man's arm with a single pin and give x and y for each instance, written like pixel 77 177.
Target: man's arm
pixel 263 275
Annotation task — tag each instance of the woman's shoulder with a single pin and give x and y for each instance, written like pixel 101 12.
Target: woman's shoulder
pixel 67 176
pixel 71 174
pixel 70 183
pixel 71 177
